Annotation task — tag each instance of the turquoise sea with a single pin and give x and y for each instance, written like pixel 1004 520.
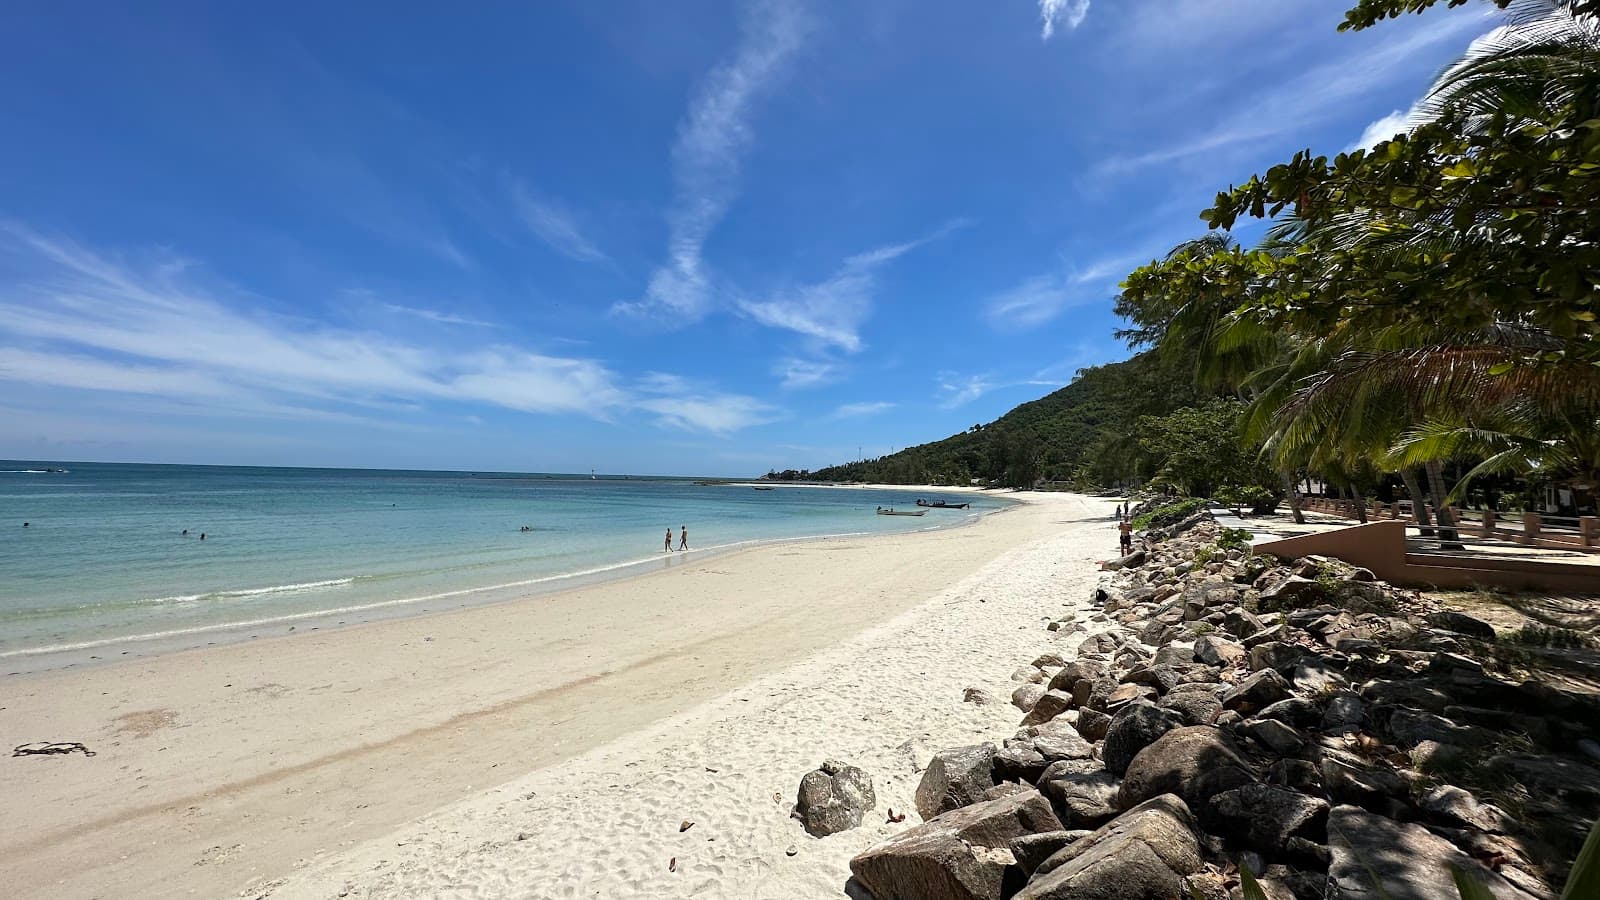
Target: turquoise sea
pixel 103 557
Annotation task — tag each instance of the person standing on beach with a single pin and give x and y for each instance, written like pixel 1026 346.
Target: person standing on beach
pixel 1125 529
pixel 668 548
pixel 683 544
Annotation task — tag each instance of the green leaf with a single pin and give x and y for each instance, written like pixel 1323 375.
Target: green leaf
pixel 1249 886
pixel 1501 368
pixel 1585 878
pixel 1469 887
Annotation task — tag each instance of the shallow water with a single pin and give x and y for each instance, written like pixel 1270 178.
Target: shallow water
pixel 104 556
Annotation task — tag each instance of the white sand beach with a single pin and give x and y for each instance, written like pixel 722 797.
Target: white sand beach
pixel 551 747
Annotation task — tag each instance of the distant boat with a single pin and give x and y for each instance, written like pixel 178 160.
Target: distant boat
pixel 941 504
pixel 592 476
pixel 901 512
pixel 759 488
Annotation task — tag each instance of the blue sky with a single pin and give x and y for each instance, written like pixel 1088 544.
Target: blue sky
pixel 695 237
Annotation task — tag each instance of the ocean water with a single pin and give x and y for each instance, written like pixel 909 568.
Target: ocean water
pixel 104 559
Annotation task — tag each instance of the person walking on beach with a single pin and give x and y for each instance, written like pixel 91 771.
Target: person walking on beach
pixel 668 548
pixel 1125 531
pixel 683 543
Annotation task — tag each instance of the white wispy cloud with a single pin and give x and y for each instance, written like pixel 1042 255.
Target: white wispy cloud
pixel 1068 12
pixel 959 390
pixel 833 310
pixel 1041 298
pixel 76 319
pixel 707 157
pixel 433 315
pixel 554 225
pixel 1384 129
pixel 796 373
pixel 861 410
pixel 1317 94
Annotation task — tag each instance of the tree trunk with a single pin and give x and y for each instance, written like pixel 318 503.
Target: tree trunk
pixel 1449 539
pixel 1291 492
pixel 1358 499
pixel 1419 501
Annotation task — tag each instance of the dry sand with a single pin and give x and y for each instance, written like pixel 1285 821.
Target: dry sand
pixel 406 758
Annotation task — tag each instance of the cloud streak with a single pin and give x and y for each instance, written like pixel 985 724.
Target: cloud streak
pixel 1070 13
pixel 554 225
pixel 861 410
pixel 712 139
pixel 75 319
pixel 832 311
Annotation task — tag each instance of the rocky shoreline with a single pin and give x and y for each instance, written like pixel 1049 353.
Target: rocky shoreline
pixel 1218 715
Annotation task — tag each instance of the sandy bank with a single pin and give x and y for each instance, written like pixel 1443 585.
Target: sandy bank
pixel 608 823
pixel 222 767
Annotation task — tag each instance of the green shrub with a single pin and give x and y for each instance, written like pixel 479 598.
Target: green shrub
pixel 1170 514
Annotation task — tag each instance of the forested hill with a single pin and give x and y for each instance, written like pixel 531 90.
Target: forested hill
pixel 1083 433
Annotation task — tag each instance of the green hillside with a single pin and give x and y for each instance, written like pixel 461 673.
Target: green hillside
pixel 1081 433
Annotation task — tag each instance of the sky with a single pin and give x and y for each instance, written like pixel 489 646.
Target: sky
pixel 708 237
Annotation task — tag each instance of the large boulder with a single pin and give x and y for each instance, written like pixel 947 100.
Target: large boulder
pixel 960 855
pixel 1076 671
pixel 1275 655
pixel 1378 857
pixel 1260 690
pixel 1197 705
pixel 834 798
pixel 1143 854
pixel 1461 623
pixel 1082 799
pixel 1049 705
pixel 1194 762
pixel 1033 849
pixel 1135 727
pixel 1456 806
pixel 1293 592
pixel 1217 651
pixel 1263 818
pixel 1026 695
pixel 955 778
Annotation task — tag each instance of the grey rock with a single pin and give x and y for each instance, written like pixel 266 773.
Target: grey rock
pixel 1349 780
pixel 1143 854
pixel 1259 690
pixel 1082 800
pixel 1264 818
pixel 1274 735
pixel 1019 761
pixel 1275 655
pixel 1410 727
pixel 1093 724
pixel 978 697
pixel 1345 713
pixel 1076 671
pixel 1026 695
pixel 1318 674
pixel 1132 561
pixel 1029 674
pixel 1049 705
pixel 1242 623
pixel 1195 707
pixel 1292 593
pixel 1461 623
pixel 955 778
pixel 1135 727
pixel 1032 849
pixel 834 798
pixel 1062 743
pixel 1297 774
pixel 1217 651
pixel 1051 660
pixel 1300 712
pixel 1407 861
pixel 1102 642
pixel 960 855
pixel 1194 762
pixel 1456 806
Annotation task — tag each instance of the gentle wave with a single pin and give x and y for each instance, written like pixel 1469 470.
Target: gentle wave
pixel 385 604
pixel 23 472
pixel 245 592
